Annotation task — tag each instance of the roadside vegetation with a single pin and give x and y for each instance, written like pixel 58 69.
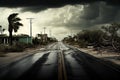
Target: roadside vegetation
pixel 14 24
pixel 20 47
pixel 107 37
pixel 10 43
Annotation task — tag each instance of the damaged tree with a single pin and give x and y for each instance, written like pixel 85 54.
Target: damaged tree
pixel 112 32
pixel 14 24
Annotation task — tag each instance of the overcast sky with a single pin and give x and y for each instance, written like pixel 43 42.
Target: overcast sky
pixel 61 18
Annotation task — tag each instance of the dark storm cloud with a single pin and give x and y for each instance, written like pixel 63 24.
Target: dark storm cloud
pixel 40 5
pixel 95 12
pixel 91 11
pixel 92 15
pixel 100 12
pixel 107 14
pixel 34 8
pixel 49 3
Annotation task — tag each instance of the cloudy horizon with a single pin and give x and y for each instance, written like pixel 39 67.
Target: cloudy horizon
pixel 64 19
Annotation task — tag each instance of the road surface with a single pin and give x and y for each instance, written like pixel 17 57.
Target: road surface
pixel 59 62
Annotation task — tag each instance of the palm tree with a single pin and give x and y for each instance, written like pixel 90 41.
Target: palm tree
pixel 14 24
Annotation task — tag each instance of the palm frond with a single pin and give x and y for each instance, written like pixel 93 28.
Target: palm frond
pixel 16 19
pixel 18 24
pixel 12 16
pixel 16 28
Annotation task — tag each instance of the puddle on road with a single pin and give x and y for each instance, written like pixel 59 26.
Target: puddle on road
pixel 18 68
pixel 38 55
pixel 68 52
pixel 77 71
pixel 48 68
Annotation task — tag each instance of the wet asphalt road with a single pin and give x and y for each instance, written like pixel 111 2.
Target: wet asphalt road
pixel 44 66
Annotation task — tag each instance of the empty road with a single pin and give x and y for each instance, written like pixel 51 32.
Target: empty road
pixel 59 62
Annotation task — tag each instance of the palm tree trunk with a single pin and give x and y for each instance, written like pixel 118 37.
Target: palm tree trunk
pixel 10 38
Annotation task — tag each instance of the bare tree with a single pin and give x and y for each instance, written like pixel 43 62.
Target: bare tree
pixel 112 32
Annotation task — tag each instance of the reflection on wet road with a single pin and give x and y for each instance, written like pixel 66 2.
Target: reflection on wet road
pixel 44 65
pixel 77 72
pixel 17 68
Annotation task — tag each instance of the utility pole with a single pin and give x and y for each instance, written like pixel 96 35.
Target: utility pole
pixel 30 26
pixel 50 33
pixel 44 29
pixel 71 33
pixel 41 32
pixel 0 29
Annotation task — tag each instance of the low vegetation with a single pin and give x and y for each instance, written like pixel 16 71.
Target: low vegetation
pixel 10 44
pixel 106 37
pixel 19 47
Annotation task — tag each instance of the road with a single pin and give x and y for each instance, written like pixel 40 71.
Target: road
pixel 59 62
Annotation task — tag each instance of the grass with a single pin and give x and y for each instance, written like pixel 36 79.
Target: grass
pixel 2 54
pixel 18 47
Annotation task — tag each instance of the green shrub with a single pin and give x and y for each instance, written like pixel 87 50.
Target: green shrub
pixel 2 55
pixel 18 47
pixel 24 45
pixel 83 43
pixel 2 47
pixel 13 48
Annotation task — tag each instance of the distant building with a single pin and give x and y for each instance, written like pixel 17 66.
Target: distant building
pixel 24 39
pixel 4 40
pixel 42 37
pixel 18 38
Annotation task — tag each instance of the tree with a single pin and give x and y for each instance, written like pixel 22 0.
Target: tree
pixel 36 41
pixel 112 32
pixel 14 24
pixel 92 37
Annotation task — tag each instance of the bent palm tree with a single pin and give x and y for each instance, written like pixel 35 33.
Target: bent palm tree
pixel 14 24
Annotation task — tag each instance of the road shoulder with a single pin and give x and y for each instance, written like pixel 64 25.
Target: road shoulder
pixel 104 55
pixel 15 56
